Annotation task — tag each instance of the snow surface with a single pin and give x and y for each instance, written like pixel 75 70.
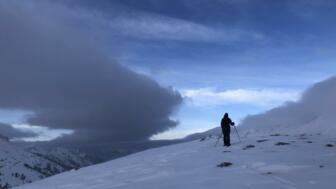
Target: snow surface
pixel 20 165
pixel 298 161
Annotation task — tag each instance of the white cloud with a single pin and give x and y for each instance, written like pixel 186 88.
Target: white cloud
pixel 178 133
pixel 149 26
pixel 262 97
pixel 142 25
pixel 44 133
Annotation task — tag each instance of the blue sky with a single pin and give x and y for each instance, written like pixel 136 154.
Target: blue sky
pixel 236 56
pixel 270 49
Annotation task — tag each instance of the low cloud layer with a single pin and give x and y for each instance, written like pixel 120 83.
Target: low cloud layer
pixel 13 133
pixel 60 75
pixel 314 112
pixel 265 97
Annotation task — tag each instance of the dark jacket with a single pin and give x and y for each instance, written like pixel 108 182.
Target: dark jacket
pixel 226 123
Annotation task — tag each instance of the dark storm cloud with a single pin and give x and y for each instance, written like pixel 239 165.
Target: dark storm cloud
pixel 11 132
pixel 69 83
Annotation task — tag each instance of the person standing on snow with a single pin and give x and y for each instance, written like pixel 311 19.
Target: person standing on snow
pixel 225 124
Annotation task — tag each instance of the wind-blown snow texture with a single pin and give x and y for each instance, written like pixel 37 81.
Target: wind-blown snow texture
pixel 277 161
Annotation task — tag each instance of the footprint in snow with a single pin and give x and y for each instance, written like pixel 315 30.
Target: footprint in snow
pixel 267 173
pixel 329 145
pixel 248 147
pixel 277 134
pixel 202 139
pixel 282 143
pixel 224 164
pixel 262 140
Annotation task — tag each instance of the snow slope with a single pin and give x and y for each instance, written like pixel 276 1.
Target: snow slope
pixel 263 162
pixel 68 159
pixel 19 165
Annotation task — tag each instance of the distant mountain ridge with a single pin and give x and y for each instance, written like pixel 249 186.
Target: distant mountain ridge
pixel 20 165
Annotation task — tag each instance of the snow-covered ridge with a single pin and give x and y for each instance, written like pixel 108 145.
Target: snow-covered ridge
pixel 20 165
pixel 270 161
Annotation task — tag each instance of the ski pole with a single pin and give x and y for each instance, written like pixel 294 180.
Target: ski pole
pixel 237 133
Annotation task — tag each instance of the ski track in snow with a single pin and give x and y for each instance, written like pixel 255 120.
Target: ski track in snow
pixel 194 165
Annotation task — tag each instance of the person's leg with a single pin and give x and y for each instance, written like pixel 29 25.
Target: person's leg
pixel 228 137
pixel 224 141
